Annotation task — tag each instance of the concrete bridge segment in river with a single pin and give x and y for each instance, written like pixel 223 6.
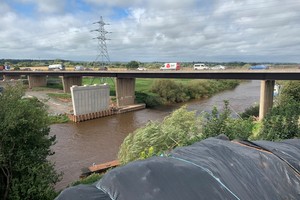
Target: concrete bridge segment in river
pixel 125 80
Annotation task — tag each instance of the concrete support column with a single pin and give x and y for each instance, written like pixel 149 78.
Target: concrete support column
pixel 125 91
pixel 266 97
pixel 69 81
pixel 37 81
pixel 11 77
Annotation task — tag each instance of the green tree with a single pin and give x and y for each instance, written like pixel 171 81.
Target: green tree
pixel 132 65
pixel 25 172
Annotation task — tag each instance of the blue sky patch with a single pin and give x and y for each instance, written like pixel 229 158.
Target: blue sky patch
pixel 23 9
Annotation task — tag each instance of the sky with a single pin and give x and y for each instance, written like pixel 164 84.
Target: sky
pixel 151 30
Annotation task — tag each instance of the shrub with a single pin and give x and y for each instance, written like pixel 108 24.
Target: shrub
pixel 290 91
pixel 216 121
pixel 282 122
pixel 179 129
pixel 222 123
pixel 239 128
pixel 250 112
pixel 174 92
pixel 170 91
pixel 151 100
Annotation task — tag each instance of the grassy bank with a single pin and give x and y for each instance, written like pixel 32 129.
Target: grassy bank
pixel 161 91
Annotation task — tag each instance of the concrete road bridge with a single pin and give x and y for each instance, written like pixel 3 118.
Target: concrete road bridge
pixel 125 80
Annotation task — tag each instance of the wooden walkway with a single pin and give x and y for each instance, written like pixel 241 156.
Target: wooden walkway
pixel 100 168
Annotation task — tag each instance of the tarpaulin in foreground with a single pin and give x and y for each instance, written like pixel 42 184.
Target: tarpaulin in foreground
pixel 211 169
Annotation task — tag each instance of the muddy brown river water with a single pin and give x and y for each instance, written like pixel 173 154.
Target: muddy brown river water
pixel 80 145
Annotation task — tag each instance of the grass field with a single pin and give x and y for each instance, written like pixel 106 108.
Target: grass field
pixel 141 84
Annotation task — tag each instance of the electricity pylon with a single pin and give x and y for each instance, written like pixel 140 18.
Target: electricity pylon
pixel 101 38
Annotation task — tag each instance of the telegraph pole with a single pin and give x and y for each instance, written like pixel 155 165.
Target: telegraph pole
pixel 101 38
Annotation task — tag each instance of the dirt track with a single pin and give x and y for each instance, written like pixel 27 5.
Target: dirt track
pixel 55 107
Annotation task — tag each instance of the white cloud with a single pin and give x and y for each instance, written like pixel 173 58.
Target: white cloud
pixel 46 6
pixel 157 30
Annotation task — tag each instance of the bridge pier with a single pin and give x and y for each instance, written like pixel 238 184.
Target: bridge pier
pixel 69 81
pixel 125 91
pixel 37 81
pixel 266 97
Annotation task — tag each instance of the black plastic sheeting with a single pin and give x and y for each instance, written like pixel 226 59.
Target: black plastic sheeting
pixel 211 169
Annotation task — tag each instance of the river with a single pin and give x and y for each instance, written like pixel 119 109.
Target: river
pixel 80 145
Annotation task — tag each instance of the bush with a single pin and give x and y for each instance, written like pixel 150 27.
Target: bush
pixel 240 129
pixel 250 112
pixel 151 100
pixel 282 122
pixel 179 129
pixel 174 92
pixel 170 91
pixel 222 123
pixel 290 91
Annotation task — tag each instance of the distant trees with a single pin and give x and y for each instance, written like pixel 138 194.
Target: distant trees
pixel 174 92
pixel 132 65
pixel 25 172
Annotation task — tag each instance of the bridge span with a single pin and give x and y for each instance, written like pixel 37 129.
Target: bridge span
pixel 125 80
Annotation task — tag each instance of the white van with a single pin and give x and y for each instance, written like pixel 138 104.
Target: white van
pixel 200 66
pixel 170 66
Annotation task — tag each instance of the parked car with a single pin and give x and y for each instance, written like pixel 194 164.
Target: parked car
pixel 141 69
pixel 218 67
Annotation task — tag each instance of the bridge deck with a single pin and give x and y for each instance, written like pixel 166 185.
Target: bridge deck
pixel 243 75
